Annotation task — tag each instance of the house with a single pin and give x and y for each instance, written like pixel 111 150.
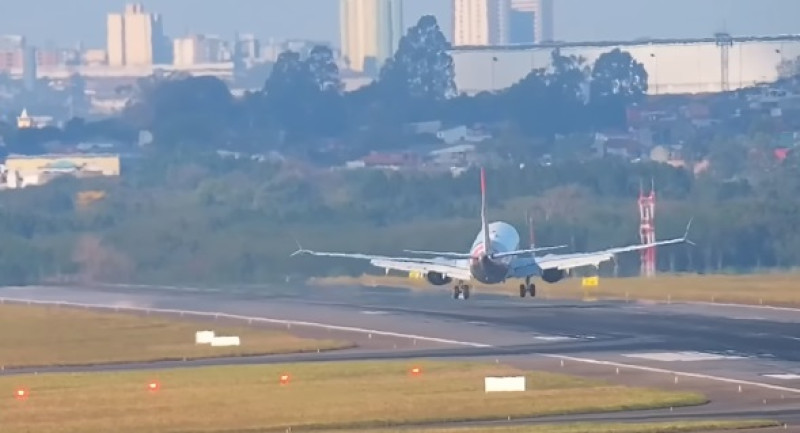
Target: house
pixel 461 134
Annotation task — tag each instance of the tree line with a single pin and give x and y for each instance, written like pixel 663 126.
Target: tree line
pixel 198 220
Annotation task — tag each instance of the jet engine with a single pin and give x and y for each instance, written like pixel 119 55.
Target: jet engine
pixel 553 275
pixel 437 279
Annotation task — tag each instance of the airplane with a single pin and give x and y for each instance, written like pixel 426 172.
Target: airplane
pixel 493 258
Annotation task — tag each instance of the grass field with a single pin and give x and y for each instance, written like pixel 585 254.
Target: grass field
pixel 41 335
pixel 766 289
pixel 660 427
pixel 320 395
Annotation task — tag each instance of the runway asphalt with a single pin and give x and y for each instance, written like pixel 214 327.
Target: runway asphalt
pixel 758 348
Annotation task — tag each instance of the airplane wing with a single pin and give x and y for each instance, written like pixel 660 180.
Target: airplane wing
pixel 494 256
pixel 456 269
pixel 569 261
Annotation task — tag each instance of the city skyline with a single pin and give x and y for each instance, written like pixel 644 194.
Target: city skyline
pixel 576 20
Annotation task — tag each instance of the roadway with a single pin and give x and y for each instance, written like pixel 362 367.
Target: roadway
pixel 748 356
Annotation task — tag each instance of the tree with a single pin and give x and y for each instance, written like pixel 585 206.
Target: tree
pixel 284 92
pixel 617 73
pixel 305 96
pixel 421 71
pixel 323 70
pixel 617 80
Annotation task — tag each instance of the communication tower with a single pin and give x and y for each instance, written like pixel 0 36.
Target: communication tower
pixel 647 229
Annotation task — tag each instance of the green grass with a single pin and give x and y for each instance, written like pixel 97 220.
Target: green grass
pixel 320 395
pixel 766 289
pixel 43 336
pixel 656 427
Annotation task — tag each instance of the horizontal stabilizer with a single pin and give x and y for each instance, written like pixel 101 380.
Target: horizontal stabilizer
pixel 453 255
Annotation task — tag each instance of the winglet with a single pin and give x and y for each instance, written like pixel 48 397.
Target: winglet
pixel 686 233
pixel 300 249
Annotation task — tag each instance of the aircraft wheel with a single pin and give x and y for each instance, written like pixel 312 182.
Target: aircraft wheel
pixel 522 290
pixel 465 291
pixel 532 290
pixel 456 292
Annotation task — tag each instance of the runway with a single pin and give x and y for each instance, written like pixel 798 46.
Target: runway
pixel 728 347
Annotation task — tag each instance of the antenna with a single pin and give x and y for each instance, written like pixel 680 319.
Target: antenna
pixel 647 228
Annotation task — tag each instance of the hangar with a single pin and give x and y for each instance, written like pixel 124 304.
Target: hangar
pixel 674 65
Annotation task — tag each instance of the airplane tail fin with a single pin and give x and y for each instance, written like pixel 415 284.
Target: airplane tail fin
pixel 484 222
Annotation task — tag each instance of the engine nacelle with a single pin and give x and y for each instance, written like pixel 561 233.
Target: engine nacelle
pixel 553 275
pixel 437 279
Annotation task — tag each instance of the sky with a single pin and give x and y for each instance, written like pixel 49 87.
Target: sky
pixel 67 22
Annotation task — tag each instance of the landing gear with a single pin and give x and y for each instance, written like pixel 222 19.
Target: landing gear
pixel 527 289
pixel 459 290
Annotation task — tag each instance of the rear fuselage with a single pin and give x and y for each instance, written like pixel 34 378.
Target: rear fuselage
pixel 503 237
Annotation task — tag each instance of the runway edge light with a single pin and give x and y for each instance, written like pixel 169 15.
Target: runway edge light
pixel 21 394
pixel 415 371
pixel 284 379
pixel 153 386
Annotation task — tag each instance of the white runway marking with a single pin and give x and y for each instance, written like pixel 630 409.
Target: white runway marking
pixel 553 338
pixel 374 313
pixel 680 356
pixel 675 373
pixel 248 319
pixel 783 376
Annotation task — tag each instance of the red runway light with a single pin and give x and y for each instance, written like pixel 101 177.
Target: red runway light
pixel 153 386
pixel 21 394
pixel 416 371
pixel 284 379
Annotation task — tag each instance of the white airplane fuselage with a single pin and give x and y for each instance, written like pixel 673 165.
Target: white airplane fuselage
pixel 503 237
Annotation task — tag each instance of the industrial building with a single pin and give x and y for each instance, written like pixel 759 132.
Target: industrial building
pixel 23 170
pixel 674 66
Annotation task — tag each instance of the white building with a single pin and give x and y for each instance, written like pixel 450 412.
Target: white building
pixel 135 37
pixel 359 32
pixel 481 22
pixel 674 66
pixel 200 49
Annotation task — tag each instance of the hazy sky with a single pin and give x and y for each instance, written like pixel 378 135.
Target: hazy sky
pixel 68 21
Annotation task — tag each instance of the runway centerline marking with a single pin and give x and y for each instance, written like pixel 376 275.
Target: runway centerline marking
pixel 674 372
pixel 680 356
pixel 254 319
pixel 783 376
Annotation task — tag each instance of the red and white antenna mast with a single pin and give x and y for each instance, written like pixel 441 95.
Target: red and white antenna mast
pixel 647 229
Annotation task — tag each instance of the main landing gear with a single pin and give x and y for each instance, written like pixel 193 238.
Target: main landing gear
pixel 459 290
pixel 527 289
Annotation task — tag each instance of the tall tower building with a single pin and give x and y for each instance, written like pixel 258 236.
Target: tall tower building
pixel 545 18
pixel 359 29
pixel 136 38
pixel 481 22
pixel 115 42
pixel 370 32
pixel 390 28
pixel 523 21
pixel 534 16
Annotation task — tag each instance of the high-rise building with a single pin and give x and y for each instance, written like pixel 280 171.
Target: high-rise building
pixel 531 21
pixel 358 26
pixel 390 28
pixel 370 32
pixel 136 38
pixel 545 26
pixel 115 42
pixel 481 22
